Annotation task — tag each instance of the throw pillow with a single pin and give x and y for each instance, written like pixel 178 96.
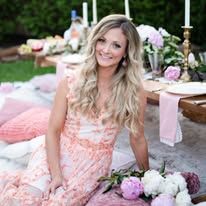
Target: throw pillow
pixel 12 107
pixel 27 125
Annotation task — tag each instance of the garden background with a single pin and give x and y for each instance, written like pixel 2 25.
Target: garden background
pixel 22 19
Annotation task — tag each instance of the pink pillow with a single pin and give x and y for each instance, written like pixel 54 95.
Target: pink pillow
pixel 12 107
pixel 46 82
pixel 27 125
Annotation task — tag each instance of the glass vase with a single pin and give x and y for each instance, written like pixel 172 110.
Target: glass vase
pixel 155 60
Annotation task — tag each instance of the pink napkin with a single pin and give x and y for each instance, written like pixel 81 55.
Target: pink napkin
pixel 170 130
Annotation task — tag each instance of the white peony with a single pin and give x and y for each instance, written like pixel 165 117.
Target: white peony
pixel 168 187
pixel 151 181
pixel 178 179
pixel 183 199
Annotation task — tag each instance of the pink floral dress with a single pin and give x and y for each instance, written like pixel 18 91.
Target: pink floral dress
pixel 86 152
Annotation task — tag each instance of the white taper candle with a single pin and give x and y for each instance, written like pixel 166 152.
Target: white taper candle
pixel 85 14
pixel 94 9
pixel 126 5
pixel 187 13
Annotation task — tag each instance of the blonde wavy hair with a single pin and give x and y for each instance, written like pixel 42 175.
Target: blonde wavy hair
pixel 123 105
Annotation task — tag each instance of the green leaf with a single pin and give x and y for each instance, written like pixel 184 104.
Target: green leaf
pixel 108 188
pixel 145 198
pixel 202 68
pixel 162 168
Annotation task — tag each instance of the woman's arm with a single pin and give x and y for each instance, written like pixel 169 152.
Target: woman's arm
pixel 138 141
pixel 56 123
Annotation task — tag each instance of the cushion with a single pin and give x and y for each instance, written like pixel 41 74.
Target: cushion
pixel 20 152
pixel 27 125
pixel 28 93
pixel 15 150
pixel 12 107
pixel 46 82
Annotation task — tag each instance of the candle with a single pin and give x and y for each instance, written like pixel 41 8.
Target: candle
pixel 126 4
pixel 187 13
pixel 94 9
pixel 85 14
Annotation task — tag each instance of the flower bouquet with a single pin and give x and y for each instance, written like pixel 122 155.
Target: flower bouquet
pixel 162 43
pixel 158 188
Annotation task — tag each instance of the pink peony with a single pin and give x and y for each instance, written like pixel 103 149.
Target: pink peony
pixel 163 200
pixel 172 73
pixel 156 39
pixel 131 188
pixel 145 31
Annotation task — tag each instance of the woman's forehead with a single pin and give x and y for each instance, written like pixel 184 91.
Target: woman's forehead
pixel 116 34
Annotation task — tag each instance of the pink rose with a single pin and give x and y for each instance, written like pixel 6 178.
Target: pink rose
pixel 132 188
pixel 163 200
pixel 172 72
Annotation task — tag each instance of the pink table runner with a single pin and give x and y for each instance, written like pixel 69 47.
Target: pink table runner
pixel 170 130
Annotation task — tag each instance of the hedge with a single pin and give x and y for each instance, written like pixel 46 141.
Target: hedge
pixel 43 18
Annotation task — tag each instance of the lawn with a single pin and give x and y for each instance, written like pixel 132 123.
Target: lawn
pixel 21 70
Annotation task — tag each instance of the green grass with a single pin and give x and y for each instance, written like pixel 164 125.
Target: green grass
pixel 21 70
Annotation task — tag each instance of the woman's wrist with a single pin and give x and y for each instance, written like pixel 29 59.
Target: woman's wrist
pixel 57 177
pixel 56 174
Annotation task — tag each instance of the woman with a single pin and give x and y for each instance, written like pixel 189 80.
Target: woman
pixel 91 106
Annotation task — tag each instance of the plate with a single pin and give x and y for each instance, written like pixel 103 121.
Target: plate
pixel 73 59
pixel 191 88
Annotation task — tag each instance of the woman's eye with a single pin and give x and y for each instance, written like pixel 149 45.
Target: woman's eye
pixel 101 40
pixel 116 45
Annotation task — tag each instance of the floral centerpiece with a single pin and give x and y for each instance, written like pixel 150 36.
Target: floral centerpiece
pixel 171 59
pixel 156 187
pixel 161 42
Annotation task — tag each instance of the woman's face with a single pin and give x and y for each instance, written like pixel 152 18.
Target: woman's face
pixel 110 49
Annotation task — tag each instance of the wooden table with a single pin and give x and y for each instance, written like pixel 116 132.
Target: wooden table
pixel 194 112
pixel 45 61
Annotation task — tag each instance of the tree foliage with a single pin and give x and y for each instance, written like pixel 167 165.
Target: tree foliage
pixel 42 18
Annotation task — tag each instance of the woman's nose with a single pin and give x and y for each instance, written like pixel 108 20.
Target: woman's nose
pixel 106 48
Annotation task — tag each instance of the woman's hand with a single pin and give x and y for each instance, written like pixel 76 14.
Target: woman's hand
pixel 55 183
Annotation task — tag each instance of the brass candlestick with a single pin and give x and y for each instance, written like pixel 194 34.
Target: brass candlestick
pixel 186 50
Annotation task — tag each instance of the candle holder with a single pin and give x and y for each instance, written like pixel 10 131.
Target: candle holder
pixel 186 50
